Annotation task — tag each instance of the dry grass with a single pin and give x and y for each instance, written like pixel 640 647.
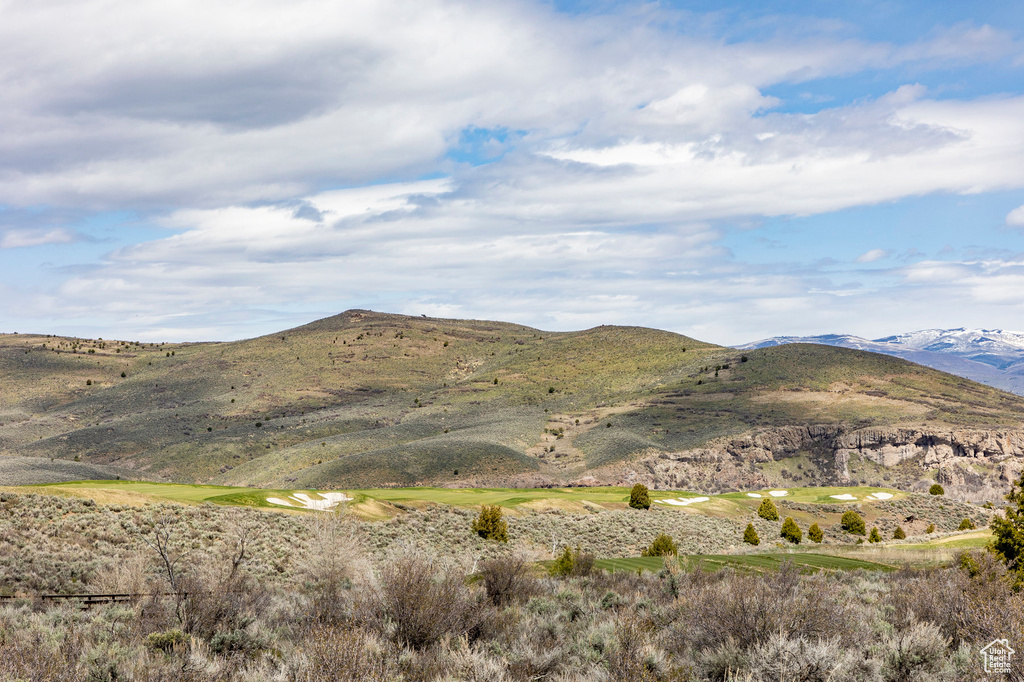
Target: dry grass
pixel 277 598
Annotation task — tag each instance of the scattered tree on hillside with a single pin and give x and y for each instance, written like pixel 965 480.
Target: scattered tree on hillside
pixel 936 489
pixel 1009 531
pixel 663 545
pixel 815 533
pixel 767 510
pixel 639 497
pixel 572 562
pixel 489 525
pixel 853 523
pixel 930 529
pixel 875 535
pixel 750 535
pixel 791 531
pixel 899 534
pixel 966 524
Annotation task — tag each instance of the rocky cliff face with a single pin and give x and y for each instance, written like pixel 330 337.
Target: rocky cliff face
pixel 974 465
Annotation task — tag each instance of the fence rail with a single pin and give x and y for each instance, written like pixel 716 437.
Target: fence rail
pixel 87 600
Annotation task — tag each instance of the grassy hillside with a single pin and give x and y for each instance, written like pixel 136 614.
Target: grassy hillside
pixel 366 399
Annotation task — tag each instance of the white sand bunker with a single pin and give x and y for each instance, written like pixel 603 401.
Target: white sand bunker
pixel 683 501
pixel 778 493
pixel 753 494
pixel 880 496
pixel 844 496
pixel 327 501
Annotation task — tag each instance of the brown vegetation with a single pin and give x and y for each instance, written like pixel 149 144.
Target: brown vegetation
pixel 233 595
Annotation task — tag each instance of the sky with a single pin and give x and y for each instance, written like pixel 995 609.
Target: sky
pixel 731 171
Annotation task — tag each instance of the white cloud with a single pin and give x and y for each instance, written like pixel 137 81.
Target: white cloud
pixel 17 238
pixel 1016 217
pixel 872 256
pixel 630 143
pixel 115 103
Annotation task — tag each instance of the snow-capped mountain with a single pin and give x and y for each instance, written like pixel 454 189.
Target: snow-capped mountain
pixel 989 346
pixel 990 356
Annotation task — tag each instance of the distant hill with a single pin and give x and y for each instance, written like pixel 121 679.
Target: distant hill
pixel 990 356
pixel 366 399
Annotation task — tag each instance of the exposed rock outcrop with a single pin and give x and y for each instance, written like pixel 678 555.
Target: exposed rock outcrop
pixel 972 464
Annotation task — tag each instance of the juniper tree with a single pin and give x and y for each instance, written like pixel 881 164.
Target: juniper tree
pixel 750 535
pixel 853 523
pixel 791 531
pixel 815 533
pixel 663 545
pixel 1009 530
pixel 489 525
pixel 767 510
pixel 639 497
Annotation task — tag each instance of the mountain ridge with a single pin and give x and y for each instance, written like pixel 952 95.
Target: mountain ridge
pixel 367 399
pixel 991 356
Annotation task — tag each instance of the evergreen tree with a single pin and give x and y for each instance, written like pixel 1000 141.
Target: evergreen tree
pixel 1009 530
pixel 966 524
pixel 815 533
pixel 563 564
pixel 639 497
pixel 853 523
pixel 767 510
pixel 875 536
pixel 899 534
pixel 663 545
pixel 936 489
pixel 791 531
pixel 572 562
pixel 750 535
pixel 489 525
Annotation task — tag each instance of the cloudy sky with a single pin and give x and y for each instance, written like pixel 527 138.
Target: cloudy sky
pixel 212 170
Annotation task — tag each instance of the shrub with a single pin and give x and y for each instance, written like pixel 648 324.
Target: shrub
pixel 791 531
pixel 916 653
pixel 329 574
pixel 639 497
pixel 572 562
pixel 344 654
pixel 489 525
pixel 815 533
pixel 930 529
pixel 236 642
pixel 424 600
pixel 853 523
pixel 506 579
pixel 797 658
pixel 936 489
pixel 750 535
pixel 966 524
pixel 166 641
pixel 663 545
pixel 875 535
pixel 767 510
pixel 899 534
